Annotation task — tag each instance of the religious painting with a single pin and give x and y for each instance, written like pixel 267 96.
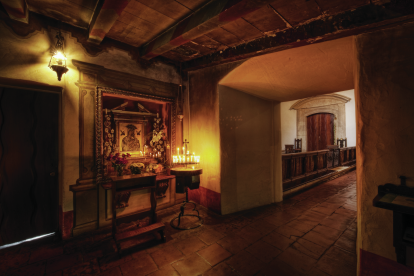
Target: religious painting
pixel 130 136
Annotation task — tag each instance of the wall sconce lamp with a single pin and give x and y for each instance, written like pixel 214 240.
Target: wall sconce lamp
pixel 58 61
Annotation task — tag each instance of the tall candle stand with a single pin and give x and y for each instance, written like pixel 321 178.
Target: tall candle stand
pixel 187 172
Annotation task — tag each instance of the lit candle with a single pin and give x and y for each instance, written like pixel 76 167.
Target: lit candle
pixel 193 167
pixel 188 159
pixel 188 152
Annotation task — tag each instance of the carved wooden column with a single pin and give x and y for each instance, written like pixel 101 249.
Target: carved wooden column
pixel 85 195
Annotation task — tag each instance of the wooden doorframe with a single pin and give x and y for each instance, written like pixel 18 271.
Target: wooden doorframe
pixel 42 87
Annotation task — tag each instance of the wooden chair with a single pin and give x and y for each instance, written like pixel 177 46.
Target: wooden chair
pixel 341 142
pixel 298 145
pixel 289 149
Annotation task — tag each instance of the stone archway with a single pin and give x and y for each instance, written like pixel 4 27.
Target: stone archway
pixel 333 103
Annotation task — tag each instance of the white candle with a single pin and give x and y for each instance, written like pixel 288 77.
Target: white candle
pixel 178 151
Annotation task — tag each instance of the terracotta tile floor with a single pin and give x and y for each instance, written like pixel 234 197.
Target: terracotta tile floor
pixel 312 233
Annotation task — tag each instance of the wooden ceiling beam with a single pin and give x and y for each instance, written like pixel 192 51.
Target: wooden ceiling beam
pixel 105 15
pixel 212 16
pixel 363 19
pixel 17 10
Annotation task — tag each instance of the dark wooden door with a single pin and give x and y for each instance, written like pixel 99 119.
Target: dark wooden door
pixel 29 198
pixel 320 129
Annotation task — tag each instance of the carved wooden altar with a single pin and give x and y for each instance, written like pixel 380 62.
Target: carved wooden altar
pixel 90 201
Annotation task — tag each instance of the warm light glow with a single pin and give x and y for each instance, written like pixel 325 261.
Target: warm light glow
pixel 186 158
pixel 58 61
pixel 59 56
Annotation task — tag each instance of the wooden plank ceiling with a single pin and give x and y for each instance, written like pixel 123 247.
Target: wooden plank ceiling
pixel 140 22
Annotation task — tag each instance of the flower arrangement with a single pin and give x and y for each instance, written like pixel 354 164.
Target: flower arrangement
pixel 136 168
pixel 157 168
pixel 118 162
pixel 157 142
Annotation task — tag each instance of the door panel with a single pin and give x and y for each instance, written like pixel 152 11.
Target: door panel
pixel 28 164
pixel 320 131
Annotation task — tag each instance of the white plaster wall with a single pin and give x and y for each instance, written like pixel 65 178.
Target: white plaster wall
pixel 288 123
pixel 350 117
pixel 289 117
pixel 246 150
pixel 384 103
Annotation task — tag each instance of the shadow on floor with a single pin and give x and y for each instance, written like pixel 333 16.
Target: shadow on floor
pixel 312 233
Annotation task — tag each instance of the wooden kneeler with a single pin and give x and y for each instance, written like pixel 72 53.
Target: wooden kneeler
pixel 129 183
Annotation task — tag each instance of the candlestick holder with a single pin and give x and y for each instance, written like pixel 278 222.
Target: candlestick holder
pixel 185 159
pixel 185 168
pixel 182 214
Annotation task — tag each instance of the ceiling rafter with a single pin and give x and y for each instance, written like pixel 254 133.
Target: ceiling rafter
pixel 211 16
pixel 278 14
pixel 348 23
pixel 104 18
pixel 17 10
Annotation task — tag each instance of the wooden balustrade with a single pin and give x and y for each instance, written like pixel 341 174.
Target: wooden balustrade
pixel 347 156
pixel 299 165
pixel 304 166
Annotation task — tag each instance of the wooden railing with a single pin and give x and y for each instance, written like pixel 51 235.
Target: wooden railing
pixel 347 156
pixel 297 165
pixel 307 165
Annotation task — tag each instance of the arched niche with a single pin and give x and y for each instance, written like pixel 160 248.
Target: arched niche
pixel 333 103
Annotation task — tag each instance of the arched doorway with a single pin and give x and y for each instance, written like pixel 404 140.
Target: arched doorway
pixel 320 131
